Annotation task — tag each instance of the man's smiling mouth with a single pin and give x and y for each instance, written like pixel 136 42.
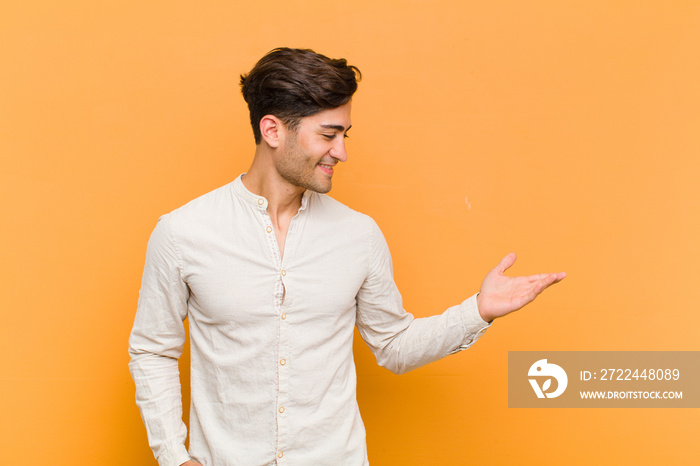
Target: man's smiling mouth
pixel 327 167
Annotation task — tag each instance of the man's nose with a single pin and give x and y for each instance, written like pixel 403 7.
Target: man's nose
pixel 338 150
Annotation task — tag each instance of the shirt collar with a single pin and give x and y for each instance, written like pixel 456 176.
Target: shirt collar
pixel 259 202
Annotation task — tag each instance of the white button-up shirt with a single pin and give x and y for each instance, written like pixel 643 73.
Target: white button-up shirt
pixel 272 376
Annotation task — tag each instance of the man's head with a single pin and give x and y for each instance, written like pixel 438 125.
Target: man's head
pixel 295 83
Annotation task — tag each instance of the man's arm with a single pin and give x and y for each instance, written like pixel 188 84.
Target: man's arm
pixel 156 343
pixel 402 343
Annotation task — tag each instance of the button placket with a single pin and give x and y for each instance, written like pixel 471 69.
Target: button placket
pixel 282 379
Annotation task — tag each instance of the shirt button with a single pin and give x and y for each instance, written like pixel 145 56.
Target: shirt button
pixel 283 316
pixel 281 411
pixel 280 455
pixel 268 229
pixel 284 273
pixel 283 361
pixel 261 201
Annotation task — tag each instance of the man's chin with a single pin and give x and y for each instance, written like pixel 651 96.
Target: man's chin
pixel 321 190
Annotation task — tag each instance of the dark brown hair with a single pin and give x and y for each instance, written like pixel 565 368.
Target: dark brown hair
pixel 295 83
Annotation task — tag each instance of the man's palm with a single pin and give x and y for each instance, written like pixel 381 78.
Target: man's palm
pixel 501 295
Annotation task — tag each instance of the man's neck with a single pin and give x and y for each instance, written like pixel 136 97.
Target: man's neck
pixel 283 198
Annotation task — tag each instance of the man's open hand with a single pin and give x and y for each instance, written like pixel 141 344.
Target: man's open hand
pixel 501 295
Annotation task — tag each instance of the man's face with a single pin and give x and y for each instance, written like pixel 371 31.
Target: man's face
pixel 308 154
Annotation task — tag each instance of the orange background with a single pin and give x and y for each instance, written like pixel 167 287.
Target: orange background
pixel 566 131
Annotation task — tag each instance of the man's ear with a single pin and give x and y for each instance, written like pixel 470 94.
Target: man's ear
pixel 270 128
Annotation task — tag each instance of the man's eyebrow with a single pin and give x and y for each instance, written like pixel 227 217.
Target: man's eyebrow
pixel 336 127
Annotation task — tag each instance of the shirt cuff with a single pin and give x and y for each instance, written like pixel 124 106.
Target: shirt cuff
pixel 474 326
pixel 174 456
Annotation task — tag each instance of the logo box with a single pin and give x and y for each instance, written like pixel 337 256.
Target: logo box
pixel 604 379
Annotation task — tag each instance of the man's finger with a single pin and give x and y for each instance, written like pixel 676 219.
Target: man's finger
pixel 549 280
pixel 506 263
pixel 540 276
pixel 537 277
pixel 540 286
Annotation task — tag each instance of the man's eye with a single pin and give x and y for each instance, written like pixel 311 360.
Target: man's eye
pixel 328 136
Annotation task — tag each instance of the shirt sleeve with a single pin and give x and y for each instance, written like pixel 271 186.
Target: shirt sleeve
pixel 156 343
pixel 399 341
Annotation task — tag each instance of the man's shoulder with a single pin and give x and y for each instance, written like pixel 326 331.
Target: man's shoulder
pixel 336 211
pixel 206 204
pixel 200 211
pixel 337 219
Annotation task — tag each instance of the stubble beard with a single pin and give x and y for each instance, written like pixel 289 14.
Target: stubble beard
pixel 302 180
pixel 299 170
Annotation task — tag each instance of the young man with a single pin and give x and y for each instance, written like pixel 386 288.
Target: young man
pixel 274 275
